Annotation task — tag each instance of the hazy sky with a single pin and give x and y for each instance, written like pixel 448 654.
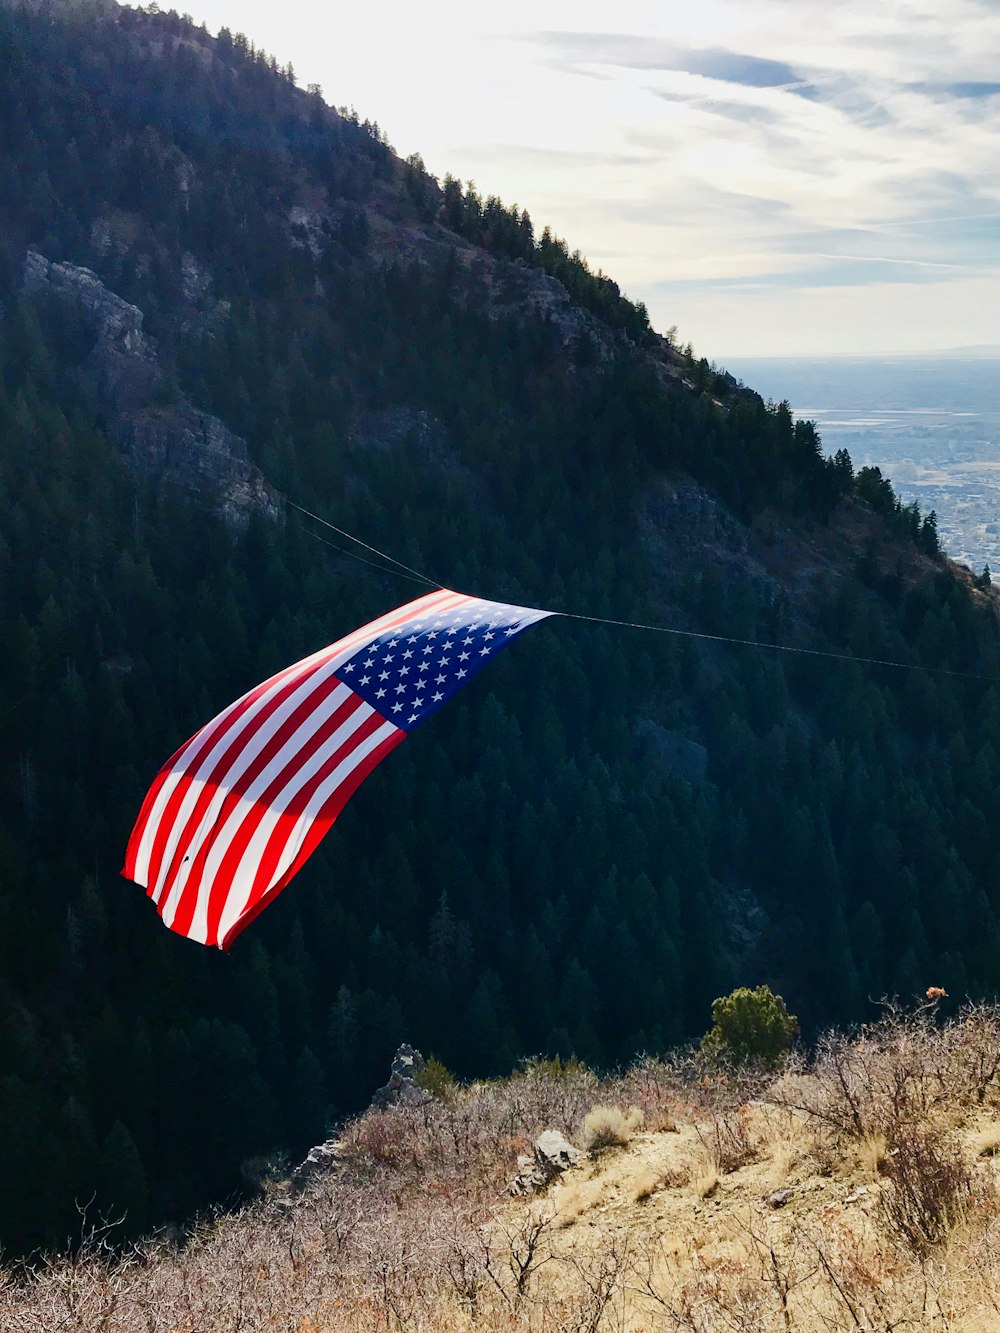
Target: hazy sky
pixel 772 176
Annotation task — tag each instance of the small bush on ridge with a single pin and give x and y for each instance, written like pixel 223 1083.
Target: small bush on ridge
pixel 750 1027
pixel 437 1079
pixel 609 1127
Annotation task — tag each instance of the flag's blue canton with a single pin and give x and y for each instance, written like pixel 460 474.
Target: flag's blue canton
pixel 408 672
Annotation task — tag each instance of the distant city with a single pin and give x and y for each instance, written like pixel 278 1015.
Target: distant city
pixel 931 424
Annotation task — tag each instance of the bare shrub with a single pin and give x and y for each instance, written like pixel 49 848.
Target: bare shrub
pixel 889 1074
pixel 784 1158
pixel 725 1287
pixel 729 1139
pixel 515 1251
pixel 534 1099
pixel 781 1272
pixel 979 1252
pixel 972 1042
pixel 380 1136
pixel 864 1284
pixel 927 1189
pixel 657 1087
pixel 786 1136
pixel 900 1071
pixel 609 1127
pixel 873 1152
pixel 600 1280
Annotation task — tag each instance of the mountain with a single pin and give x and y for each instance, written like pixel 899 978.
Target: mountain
pixel 222 299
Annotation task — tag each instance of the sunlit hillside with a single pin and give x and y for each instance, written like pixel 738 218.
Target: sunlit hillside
pixel 856 1191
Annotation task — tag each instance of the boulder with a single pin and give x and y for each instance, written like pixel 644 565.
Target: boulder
pixel 553 1154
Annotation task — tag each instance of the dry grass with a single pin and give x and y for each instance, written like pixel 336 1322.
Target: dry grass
pixel 649 1180
pixel 609 1127
pixel 886 1217
pixel 873 1154
pixel 705 1175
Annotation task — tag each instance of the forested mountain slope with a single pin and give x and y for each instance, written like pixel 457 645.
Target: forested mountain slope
pixel 217 294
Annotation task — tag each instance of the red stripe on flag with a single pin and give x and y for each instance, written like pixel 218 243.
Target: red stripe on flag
pixel 222 880
pixel 168 822
pixel 135 840
pixel 220 778
pixel 320 827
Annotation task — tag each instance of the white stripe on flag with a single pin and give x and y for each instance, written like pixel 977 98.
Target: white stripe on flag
pixel 238 899
pixel 296 777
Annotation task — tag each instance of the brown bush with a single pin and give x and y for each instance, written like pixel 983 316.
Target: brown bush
pixel 928 1187
pixel 729 1140
pixel 658 1089
pixel 888 1075
pixel 972 1053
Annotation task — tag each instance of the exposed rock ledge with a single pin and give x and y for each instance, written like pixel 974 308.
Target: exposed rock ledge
pixel 171 443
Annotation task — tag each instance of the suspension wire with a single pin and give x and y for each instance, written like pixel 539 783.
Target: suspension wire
pixel 779 647
pixel 352 555
pixel 655 629
pixel 374 549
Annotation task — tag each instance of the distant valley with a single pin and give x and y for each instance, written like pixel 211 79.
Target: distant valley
pixel 932 425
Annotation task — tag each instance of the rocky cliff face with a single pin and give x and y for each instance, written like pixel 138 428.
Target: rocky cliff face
pixel 167 441
pixel 194 450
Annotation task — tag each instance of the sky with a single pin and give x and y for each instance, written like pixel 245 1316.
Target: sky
pixel 773 177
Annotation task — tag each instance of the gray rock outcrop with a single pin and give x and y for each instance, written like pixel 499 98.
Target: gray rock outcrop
pixel 195 450
pixel 162 437
pixel 403 1088
pixel 320 1161
pixel 553 1154
pixel 122 366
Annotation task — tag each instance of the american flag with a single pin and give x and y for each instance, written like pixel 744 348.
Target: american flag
pixel 237 811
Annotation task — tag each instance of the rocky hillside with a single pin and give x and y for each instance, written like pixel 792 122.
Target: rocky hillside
pixel 858 1192
pixel 221 298
pixel 160 435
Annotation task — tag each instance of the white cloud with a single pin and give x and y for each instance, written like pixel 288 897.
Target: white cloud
pixel 790 146
pixel 840 320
